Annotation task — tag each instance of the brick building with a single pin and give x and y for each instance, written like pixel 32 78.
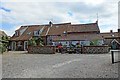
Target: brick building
pixel 53 34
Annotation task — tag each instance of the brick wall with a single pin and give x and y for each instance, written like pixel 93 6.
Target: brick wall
pixel 41 49
pixel 51 49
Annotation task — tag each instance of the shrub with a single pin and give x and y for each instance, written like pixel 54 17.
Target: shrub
pixel 35 42
pixel 4 43
pixel 2 48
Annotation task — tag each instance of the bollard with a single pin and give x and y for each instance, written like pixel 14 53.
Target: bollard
pixel 112 55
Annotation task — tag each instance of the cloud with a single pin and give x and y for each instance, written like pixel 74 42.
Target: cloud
pixel 7 10
pixel 38 12
pixel 70 13
pixel 119 15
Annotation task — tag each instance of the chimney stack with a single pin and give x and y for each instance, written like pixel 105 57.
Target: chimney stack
pixel 118 30
pixel 50 23
pixel 97 21
pixel 111 31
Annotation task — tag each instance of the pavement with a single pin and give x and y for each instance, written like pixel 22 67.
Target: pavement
pixel 23 65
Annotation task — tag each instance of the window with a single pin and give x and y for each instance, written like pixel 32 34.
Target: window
pixel 23 30
pixel 19 44
pixel 36 33
pixel 16 33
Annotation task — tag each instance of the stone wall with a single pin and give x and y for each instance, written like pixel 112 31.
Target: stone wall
pixel 41 49
pixel 95 49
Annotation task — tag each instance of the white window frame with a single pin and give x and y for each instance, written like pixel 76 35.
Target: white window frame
pixel 25 45
pixel 16 33
pixel 36 33
pixel 13 45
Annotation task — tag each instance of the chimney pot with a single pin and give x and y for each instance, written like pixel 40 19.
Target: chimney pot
pixel 50 23
pixel 119 30
pixel 111 31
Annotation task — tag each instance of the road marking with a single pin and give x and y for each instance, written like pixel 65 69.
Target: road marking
pixel 64 63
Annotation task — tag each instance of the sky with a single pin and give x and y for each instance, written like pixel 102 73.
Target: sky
pixel 14 13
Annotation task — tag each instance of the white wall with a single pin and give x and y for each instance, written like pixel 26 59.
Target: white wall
pixel 87 43
pixel 84 43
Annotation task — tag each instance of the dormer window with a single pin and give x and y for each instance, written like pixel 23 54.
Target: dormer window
pixel 64 32
pixel 16 33
pixel 36 33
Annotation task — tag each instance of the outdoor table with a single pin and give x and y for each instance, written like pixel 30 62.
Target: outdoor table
pixel 112 54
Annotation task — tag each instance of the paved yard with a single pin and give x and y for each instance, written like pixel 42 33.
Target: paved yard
pixel 20 65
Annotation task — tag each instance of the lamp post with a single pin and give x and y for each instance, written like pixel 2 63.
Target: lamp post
pixel 112 46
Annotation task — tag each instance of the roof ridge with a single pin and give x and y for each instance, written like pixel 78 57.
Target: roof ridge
pixel 83 24
pixel 34 25
pixel 61 23
pixel 107 32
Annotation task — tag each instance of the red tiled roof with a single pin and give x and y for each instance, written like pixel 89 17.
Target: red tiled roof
pixel 55 29
pixel 59 29
pixel 26 35
pixel 85 36
pixel 44 31
pixel 109 35
pixel 83 28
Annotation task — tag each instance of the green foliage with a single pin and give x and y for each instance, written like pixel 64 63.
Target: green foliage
pixel 5 38
pixel 94 42
pixel 4 44
pixel 91 43
pixel 35 41
pixel 2 48
pixel 64 46
pixel 72 45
